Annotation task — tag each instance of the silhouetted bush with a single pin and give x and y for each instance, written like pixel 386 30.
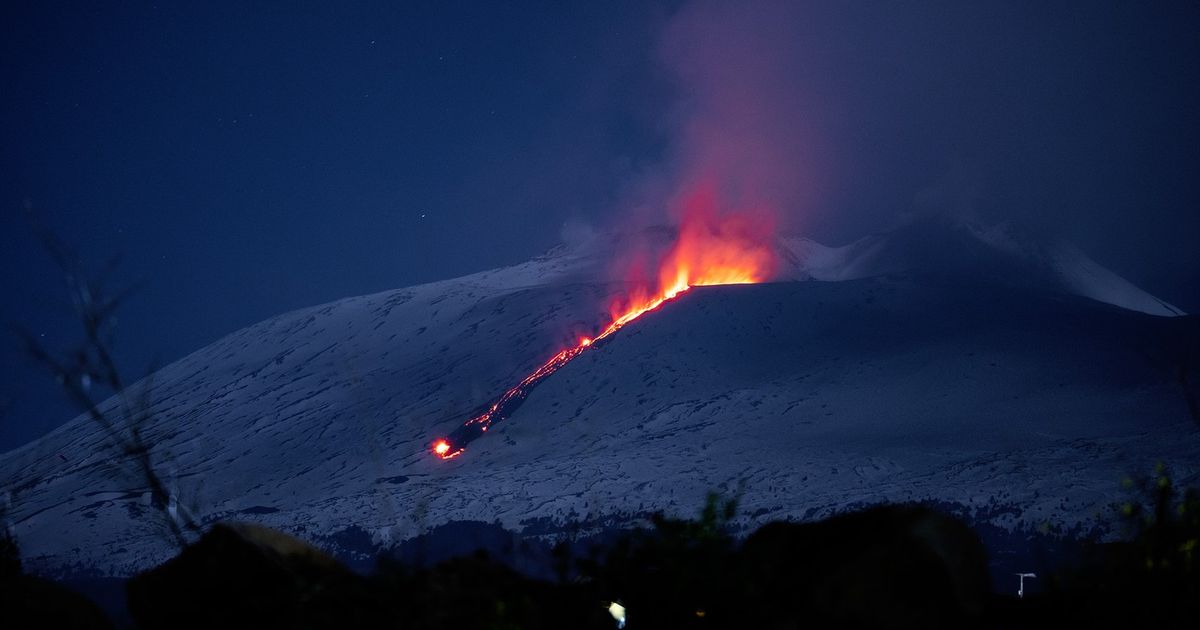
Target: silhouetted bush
pixel 240 575
pixel 888 566
pixel 27 601
pixel 885 566
pixel 1150 579
pixel 676 574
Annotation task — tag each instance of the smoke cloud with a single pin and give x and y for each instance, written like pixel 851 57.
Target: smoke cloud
pixel 843 119
pixel 740 150
pixel 740 131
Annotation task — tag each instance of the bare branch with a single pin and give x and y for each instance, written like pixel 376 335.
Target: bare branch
pixel 92 365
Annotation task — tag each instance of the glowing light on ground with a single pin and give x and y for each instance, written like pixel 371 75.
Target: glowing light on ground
pixel 709 250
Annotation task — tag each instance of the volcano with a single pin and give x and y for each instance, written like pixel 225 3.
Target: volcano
pixel 1019 379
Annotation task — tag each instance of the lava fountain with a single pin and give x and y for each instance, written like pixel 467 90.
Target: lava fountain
pixel 709 249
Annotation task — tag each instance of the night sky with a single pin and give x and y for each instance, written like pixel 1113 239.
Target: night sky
pixel 246 160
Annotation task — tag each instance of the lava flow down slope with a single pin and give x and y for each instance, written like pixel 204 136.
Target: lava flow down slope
pixel 709 250
pixel 1019 380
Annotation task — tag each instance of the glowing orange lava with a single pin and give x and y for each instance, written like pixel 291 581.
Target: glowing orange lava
pixel 709 250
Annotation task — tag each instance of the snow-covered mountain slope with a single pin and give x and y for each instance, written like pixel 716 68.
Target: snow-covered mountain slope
pixel 998 253
pixel 809 396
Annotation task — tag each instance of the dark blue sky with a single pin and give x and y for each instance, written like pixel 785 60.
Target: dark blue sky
pixel 248 159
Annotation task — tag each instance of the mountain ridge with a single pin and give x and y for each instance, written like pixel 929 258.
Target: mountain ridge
pixel 812 395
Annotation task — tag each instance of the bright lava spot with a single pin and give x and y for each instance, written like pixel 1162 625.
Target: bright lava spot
pixel 710 249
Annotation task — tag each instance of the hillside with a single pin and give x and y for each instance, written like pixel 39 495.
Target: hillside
pixel 900 381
